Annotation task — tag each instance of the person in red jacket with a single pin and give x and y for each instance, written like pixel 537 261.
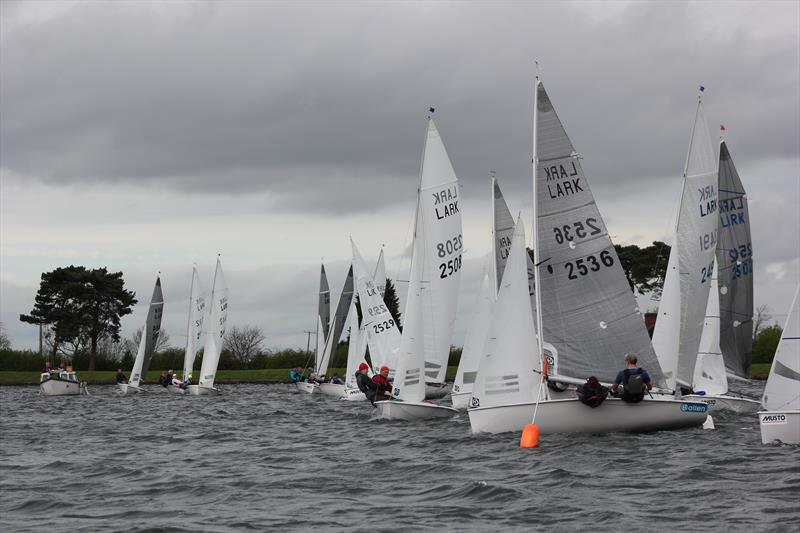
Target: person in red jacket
pixel 382 381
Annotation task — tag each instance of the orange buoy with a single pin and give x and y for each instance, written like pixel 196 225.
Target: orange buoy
pixel 530 437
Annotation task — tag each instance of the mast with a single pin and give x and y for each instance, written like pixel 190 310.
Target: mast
pixel 535 241
pixel 186 371
pixel 493 180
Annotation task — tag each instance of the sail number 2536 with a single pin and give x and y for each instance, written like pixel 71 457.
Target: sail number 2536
pixel 590 263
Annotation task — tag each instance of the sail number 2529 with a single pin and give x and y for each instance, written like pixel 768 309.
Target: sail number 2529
pixel 383 326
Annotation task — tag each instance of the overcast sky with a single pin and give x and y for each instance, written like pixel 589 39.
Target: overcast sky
pixel 148 136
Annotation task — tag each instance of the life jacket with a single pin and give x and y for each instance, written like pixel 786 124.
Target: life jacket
pixel 633 389
pixel 591 393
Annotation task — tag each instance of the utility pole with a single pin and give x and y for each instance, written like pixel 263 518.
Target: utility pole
pixel 308 340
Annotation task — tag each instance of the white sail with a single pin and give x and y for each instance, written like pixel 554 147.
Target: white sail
pixel 342 309
pixel 381 327
pixel 694 248
pixel 327 350
pixel 355 349
pixel 506 369
pixel 323 314
pixel 438 256
pixel 709 373
pixel 194 328
pixel 149 338
pixel 215 328
pixel 380 274
pixel 782 392
pixel 476 334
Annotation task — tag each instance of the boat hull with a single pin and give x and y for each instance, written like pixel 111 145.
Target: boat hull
pixel 311 388
pixel 724 402
pixel 332 389
pixel 399 410
pixel 571 416
pixel 434 391
pixel 353 395
pixel 198 390
pixel 60 387
pixel 126 388
pixel 176 390
pixel 783 426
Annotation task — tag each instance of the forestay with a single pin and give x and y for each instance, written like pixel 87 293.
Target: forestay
pixel 438 256
pixel 147 343
pixel 691 261
pixel 589 312
pixel 194 328
pixel 380 274
pixel 506 368
pixel 215 329
pixel 735 261
pixel 382 332
pixel 709 373
pixel 782 392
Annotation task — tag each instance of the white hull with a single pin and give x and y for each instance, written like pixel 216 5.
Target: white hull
pixel 434 391
pixel 58 387
pixel 781 426
pixel 176 390
pixel 311 388
pixel 198 390
pixel 726 403
pixel 353 395
pixel 571 416
pixel 126 388
pixel 332 389
pixel 460 400
pixel 399 410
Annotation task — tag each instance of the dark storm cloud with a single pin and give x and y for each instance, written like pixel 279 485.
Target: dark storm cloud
pixel 322 104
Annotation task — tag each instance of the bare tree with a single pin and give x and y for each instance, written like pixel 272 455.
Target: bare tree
pixel 112 349
pixel 5 342
pixel 162 344
pixel 244 343
pixel 760 319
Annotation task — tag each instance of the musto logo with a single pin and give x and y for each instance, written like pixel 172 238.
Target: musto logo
pixel 773 419
pixel 694 407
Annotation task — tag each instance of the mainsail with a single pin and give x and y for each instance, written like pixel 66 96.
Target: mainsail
pixel 506 369
pixel 323 316
pixel 215 328
pixel 356 348
pixel 380 274
pixel 342 310
pixel 382 332
pixel 147 343
pixel 589 312
pixel 438 254
pixel 735 261
pixel 691 262
pixel 194 328
pixel 783 385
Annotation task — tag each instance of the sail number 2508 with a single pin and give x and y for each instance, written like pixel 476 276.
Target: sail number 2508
pixel 450 267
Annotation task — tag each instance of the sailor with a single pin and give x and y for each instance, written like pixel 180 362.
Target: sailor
pixel 176 381
pixel 164 379
pixel 366 385
pixel 382 381
pixel 336 380
pixel 296 375
pixel 121 377
pixel 634 380
pixel 187 381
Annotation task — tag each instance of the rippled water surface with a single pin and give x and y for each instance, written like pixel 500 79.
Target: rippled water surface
pixel 264 457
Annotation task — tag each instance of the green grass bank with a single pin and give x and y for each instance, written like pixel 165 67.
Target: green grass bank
pixel 266 375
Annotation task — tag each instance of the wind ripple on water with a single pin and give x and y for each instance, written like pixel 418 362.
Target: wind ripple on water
pixel 266 457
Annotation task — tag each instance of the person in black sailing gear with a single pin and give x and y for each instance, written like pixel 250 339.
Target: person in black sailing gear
pixel 121 377
pixel 164 379
pixel 634 380
pixel 365 383
pixel 591 393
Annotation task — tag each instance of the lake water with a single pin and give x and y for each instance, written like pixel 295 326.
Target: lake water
pixel 264 457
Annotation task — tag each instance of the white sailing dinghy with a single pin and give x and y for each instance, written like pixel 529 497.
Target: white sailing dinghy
pixel 194 328
pixel 339 320
pixel 383 336
pixel 684 299
pixel 432 289
pixel 780 419
pixel 215 333
pixel 323 325
pixel 730 300
pixel 147 343
pixel 585 309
